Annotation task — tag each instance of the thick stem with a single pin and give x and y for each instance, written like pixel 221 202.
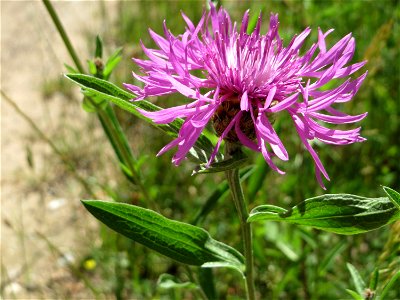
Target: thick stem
pixel 241 207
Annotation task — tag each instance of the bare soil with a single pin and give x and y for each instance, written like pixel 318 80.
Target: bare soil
pixel 43 226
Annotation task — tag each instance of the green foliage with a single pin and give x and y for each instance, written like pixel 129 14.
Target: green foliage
pixel 340 213
pixel 373 284
pixel 104 90
pixel 318 268
pixel 355 295
pixel 390 285
pixel 393 195
pixel 330 257
pixel 357 279
pixel 180 241
pixel 98 53
pixel 112 62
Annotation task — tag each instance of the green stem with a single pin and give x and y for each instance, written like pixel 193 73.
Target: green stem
pixel 241 207
pixel 107 116
pixel 63 35
pixel 118 139
pixel 199 291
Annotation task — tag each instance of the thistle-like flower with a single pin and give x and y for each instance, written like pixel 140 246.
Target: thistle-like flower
pixel 246 79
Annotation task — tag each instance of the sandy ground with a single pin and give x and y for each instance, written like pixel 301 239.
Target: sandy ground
pixel 33 204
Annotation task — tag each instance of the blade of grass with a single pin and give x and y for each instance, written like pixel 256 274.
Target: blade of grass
pixel 389 285
pixel 332 254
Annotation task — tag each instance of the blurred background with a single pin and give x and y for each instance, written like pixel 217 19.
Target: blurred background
pixel 52 150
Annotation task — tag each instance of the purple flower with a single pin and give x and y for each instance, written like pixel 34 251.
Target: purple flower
pixel 246 79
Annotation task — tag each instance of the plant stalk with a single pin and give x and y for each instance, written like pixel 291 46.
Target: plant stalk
pixel 241 207
pixel 107 116
pixel 63 35
pixel 118 137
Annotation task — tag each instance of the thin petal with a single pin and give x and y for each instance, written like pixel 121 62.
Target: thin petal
pixel 244 102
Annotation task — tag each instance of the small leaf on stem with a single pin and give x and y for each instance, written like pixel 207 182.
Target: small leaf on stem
pixel 99 47
pixel 393 195
pixel 357 279
pixel 112 62
pixel 373 283
pixel 354 294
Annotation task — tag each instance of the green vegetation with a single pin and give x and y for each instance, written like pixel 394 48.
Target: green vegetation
pixel 292 262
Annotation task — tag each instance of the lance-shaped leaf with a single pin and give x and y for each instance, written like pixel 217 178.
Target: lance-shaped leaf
pixel 340 213
pixel 112 62
pixel 355 295
pixel 357 279
pixel 393 195
pixel 102 89
pixel 180 241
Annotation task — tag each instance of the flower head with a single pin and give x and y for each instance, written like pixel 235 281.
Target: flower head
pixel 247 78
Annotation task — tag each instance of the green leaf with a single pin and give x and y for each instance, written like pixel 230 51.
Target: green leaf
pixel 182 242
pixel 389 285
pixel 99 48
pixel 112 62
pixel 373 283
pixel 70 69
pixel 338 213
pixel 127 172
pixel 103 89
pixel 92 67
pixel 355 295
pixel 393 195
pixel 253 22
pixel 92 104
pixel 357 279
pixel 168 281
pixel 287 250
pixel 88 105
